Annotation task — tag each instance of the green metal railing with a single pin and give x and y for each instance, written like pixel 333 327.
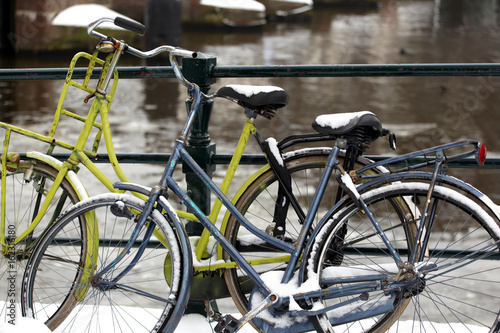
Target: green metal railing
pixel 385 70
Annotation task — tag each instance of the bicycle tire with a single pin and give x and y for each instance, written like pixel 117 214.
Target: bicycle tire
pixel 457 294
pixel 257 205
pixel 26 187
pixel 55 287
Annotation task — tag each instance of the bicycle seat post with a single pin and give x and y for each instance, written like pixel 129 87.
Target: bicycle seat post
pixel 118 50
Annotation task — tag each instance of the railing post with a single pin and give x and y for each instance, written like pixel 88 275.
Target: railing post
pixel 199 71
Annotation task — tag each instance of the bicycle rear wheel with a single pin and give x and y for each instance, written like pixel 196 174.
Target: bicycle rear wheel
pixel 457 290
pixel 62 288
pixel 25 192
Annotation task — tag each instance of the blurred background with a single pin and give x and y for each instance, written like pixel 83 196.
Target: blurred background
pixel 422 111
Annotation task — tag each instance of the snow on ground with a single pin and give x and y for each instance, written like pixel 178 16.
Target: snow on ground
pixel 189 323
pixel 24 325
pixel 199 324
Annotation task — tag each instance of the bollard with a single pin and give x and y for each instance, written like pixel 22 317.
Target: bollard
pixel 7 26
pixel 163 22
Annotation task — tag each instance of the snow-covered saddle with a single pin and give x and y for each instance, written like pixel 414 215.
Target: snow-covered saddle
pixel 261 99
pixel 339 124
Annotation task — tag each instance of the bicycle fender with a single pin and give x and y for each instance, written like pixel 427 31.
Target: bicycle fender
pixel 426 176
pixel 56 164
pixel 132 187
pixel 187 264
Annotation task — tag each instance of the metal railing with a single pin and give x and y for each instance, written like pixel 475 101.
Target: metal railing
pixel 204 72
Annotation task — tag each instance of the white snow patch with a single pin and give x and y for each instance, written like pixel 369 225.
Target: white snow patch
pixel 83 15
pixel 24 325
pixel 338 120
pixel 272 280
pixel 336 272
pixel 305 151
pixel 247 240
pixel 235 4
pixel 249 90
pixel 347 180
pixel 273 146
pixel 305 2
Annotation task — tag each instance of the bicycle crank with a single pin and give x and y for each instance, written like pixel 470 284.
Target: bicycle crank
pixel 276 318
pixel 229 324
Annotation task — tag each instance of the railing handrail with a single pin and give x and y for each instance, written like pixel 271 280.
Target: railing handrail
pixel 346 70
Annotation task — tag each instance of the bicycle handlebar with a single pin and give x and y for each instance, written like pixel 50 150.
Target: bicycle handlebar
pixel 121 46
pixel 176 51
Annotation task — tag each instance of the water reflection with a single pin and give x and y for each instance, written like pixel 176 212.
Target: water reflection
pixel 422 111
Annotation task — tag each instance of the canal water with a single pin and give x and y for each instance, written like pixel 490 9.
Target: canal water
pixel 148 114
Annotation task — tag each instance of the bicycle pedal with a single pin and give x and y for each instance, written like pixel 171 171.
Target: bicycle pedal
pixel 228 324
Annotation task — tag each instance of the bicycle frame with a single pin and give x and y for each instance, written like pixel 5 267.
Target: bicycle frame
pixel 366 283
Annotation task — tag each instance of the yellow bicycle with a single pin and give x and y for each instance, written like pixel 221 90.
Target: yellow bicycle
pixel 36 190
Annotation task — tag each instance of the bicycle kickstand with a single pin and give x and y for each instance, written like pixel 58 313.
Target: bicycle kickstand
pixel 229 324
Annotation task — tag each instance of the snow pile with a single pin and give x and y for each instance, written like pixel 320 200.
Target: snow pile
pixel 83 15
pixel 189 323
pixel 24 325
pixel 235 4
pixel 200 324
pixel 338 120
pixel 249 90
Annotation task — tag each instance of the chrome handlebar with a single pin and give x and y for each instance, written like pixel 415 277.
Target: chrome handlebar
pixel 121 46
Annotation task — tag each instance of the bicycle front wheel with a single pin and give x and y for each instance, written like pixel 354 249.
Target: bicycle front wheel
pixel 26 188
pixel 453 285
pixel 64 284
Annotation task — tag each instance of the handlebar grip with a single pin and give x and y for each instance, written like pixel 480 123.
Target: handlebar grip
pixel 184 53
pixel 131 25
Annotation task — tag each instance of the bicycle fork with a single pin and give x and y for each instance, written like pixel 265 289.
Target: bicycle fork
pixel 97 279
